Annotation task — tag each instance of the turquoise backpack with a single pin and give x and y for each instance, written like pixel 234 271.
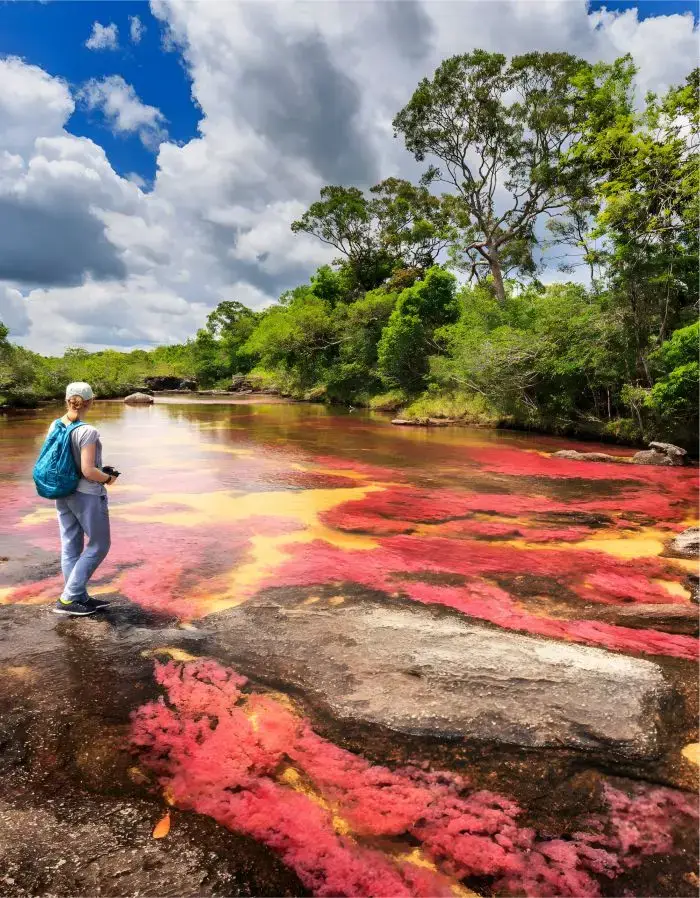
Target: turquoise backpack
pixel 55 472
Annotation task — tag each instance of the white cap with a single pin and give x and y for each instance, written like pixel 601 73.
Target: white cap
pixel 80 388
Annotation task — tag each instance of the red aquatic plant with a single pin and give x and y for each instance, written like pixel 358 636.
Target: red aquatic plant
pixel 256 767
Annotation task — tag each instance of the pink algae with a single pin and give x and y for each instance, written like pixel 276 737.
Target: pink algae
pixel 257 768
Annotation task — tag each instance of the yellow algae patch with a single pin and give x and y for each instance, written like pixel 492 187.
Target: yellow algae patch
pixel 418 859
pixel 40 515
pixel 336 600
pixel 677 590
pixel 171 652
pixel 311 600
pixel 230 450
pixel 285 701
pixel 225 506
pixel 20 672
pixel 40 598
pixel 623 547
pixel 643 544
pixel 265 552
pixel 292 778
pixel 688 564
pixel 136 775
pixel 692 753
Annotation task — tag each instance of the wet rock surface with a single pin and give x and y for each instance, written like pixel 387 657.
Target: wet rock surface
pixel 138 399
pixel 686 544
pixel 68 688
pixel 423 422
pixel 170 383
pixel 575 455
pixel 669 618
pixel 422 671
pixel 663 454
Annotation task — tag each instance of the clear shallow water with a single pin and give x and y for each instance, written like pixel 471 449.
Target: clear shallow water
pixel 220 502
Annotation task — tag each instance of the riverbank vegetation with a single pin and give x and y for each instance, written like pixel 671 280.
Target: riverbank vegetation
pixel 436 303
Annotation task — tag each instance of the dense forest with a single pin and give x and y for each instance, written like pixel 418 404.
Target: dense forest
pixel 434 304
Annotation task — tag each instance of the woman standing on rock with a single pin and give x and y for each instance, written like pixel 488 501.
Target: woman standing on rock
pixel 84 512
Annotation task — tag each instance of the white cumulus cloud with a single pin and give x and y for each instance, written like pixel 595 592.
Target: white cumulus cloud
pixel 136 29
pixel 123 110
pixel 291 97
pixel 103 37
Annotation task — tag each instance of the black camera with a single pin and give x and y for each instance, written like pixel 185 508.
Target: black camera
pixel 108 469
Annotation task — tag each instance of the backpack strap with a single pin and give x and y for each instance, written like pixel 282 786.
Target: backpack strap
pixel 74 425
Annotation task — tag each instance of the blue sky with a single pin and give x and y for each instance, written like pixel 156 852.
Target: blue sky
pixel 52 35
pixel 232 129
pixel 650 7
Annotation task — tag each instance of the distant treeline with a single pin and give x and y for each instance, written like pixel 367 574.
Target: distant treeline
pixel 543 157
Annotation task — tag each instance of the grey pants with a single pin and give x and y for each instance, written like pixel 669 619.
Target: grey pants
pixel 80 515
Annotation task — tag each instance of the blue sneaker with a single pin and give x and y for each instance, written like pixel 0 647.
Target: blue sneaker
pixel 77 609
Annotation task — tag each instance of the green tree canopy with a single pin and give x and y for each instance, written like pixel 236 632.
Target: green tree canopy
pixel 504 137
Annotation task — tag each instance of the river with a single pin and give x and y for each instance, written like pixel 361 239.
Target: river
pixel 385 660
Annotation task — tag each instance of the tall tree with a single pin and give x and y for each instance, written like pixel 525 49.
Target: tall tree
pixel 400 226
pixel 345 219
pixel 504 136
pixel 647 170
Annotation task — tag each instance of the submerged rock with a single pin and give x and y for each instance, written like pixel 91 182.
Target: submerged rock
pixel 680 618
pixel 686 544
pixel 139 399
pixel 424 671
pixel 661 454
pixel 574 455
pixel 423 422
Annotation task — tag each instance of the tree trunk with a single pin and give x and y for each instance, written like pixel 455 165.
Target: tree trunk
pixel 495 265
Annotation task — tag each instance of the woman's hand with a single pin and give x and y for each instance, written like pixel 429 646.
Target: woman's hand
pixel 88 469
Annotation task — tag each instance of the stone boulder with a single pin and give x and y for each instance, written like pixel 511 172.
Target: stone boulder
pixel 686 544
pixel 574 455
pixel 170 382
pixel 422 422
pixel 139 399
pixel 665 454
pixel 423 671
pixel 681 618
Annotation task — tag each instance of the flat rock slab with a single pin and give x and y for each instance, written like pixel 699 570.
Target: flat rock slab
pixel 424 671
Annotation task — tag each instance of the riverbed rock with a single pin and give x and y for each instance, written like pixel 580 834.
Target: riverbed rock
pixel 681 618
pixel 574 455
pixel 422 671
pixel 139 399
pixel 679 455
pixel 170 382
pixel 685 544
pixel 422 422
pixel 665 454
pixel 250 383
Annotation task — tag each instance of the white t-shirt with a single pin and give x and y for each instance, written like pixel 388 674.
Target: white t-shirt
pixel 84 436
